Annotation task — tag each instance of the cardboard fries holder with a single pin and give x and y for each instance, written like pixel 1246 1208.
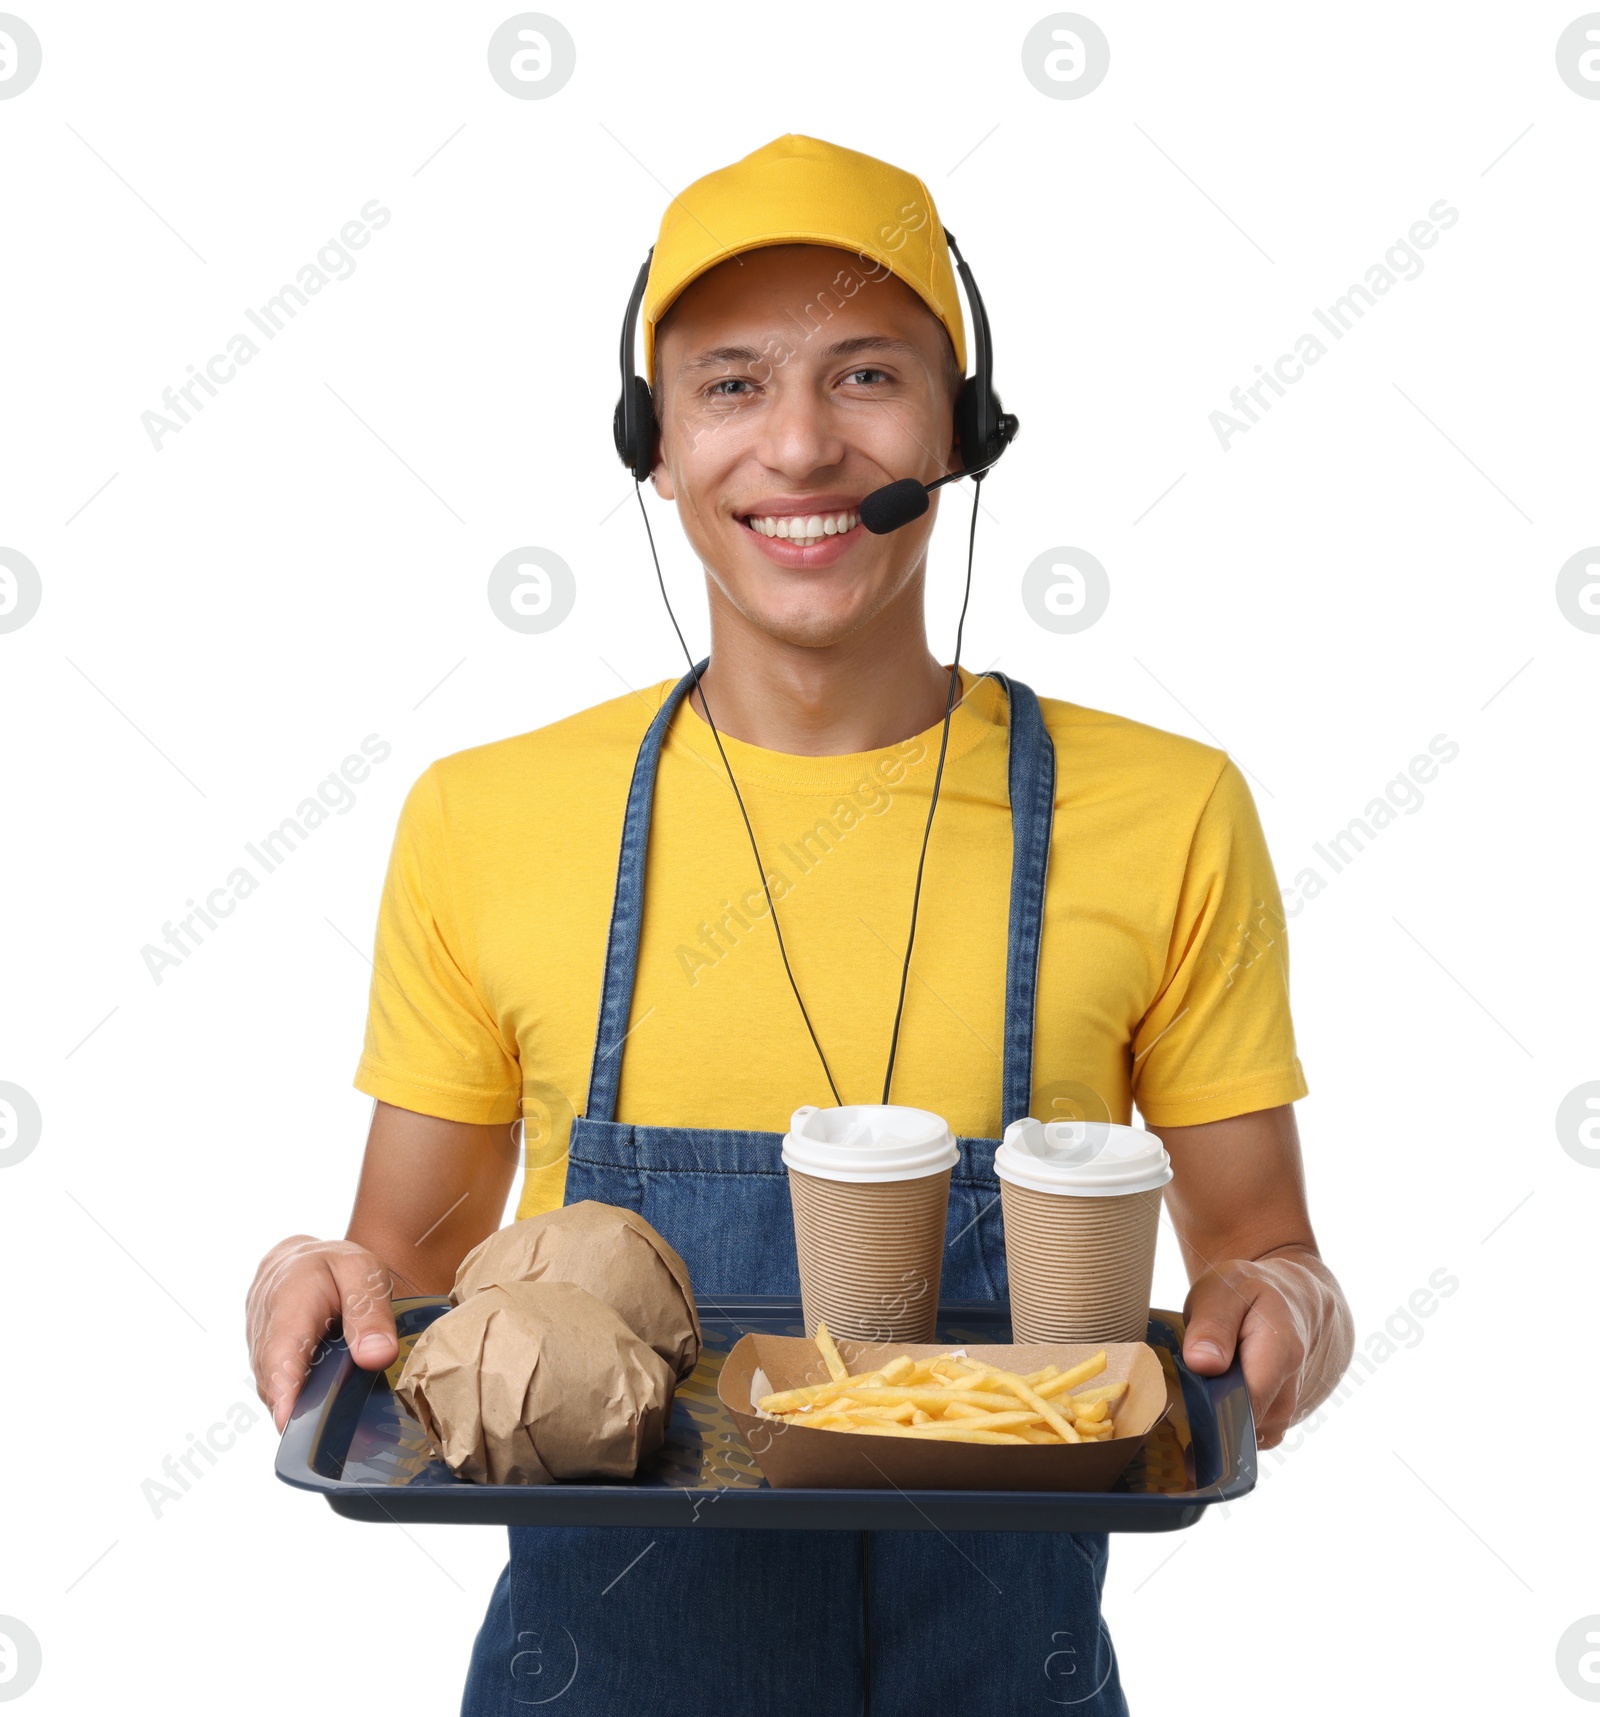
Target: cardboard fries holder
pixel 792 1455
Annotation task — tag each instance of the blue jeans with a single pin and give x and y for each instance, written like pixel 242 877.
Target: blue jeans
pixel 598 1621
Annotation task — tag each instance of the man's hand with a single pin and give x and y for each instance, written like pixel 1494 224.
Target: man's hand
pixel 1258 1285
pixel 1273 1312
pixel 303 1291
pixel 430 1190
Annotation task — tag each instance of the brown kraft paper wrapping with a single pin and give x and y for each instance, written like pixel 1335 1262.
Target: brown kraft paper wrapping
pixel 527 1382
pixel 613 1253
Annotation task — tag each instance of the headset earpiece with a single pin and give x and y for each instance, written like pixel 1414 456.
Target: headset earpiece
pixel 983 430
pixel 633 423
pixel 635 432
pixel 972 423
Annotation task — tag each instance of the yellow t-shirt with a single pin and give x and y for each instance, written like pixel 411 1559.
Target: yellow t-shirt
pixel 1163 976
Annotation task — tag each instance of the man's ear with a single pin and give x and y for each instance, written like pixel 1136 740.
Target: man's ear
pixel 661 478
pixel 955 461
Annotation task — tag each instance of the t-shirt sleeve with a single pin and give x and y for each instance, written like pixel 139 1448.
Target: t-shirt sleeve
pixel 1218 1039
pixel 432 1043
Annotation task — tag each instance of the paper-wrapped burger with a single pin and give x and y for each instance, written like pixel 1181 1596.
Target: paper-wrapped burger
pixel 612 1252
pixel 527 1382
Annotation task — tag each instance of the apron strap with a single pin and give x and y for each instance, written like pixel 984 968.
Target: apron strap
pixel 1033 797
pixel 1031 782
pixel 627 911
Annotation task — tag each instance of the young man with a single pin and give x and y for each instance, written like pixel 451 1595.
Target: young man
pixel 805 339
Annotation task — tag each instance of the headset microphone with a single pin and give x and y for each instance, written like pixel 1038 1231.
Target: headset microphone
pixel 897 504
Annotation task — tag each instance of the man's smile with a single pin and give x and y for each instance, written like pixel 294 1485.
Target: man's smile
pixel 803 527
pixel 803 530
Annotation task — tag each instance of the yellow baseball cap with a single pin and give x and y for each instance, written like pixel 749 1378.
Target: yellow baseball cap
pixel 800 190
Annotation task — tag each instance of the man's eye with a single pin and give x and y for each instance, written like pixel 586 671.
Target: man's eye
pixel 734 381
pixel 866 372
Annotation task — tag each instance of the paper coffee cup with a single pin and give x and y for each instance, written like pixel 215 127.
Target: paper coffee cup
pixel 870 1188
pixel 1081 1203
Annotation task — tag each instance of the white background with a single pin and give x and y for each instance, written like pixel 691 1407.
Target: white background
pixel 224 620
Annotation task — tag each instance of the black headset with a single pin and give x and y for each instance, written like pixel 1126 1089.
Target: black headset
pixel 983 430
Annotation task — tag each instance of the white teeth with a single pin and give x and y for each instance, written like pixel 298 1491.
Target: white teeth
pixel 802 528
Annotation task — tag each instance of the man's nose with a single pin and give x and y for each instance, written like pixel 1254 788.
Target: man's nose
pixel 798 435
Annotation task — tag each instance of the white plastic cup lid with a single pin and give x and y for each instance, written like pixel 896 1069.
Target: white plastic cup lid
pixel 869 1142
pixel 1084 1159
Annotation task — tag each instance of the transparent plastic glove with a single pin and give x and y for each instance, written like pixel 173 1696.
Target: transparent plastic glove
pixel 302 1292
pixel 1287 1317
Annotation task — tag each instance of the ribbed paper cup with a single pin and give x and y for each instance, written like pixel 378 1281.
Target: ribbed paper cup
pixel 1081 1203
pixel 870 1254
pixel 869 1185
pixel 1080 1268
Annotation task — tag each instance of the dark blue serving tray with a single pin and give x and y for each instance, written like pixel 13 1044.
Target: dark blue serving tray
pixel 349 1438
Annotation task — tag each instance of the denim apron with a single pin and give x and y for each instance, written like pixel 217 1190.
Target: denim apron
pixel 669 1623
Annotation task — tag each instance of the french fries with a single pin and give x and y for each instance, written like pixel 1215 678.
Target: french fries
pixel 952 1398
pixel 837 1369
